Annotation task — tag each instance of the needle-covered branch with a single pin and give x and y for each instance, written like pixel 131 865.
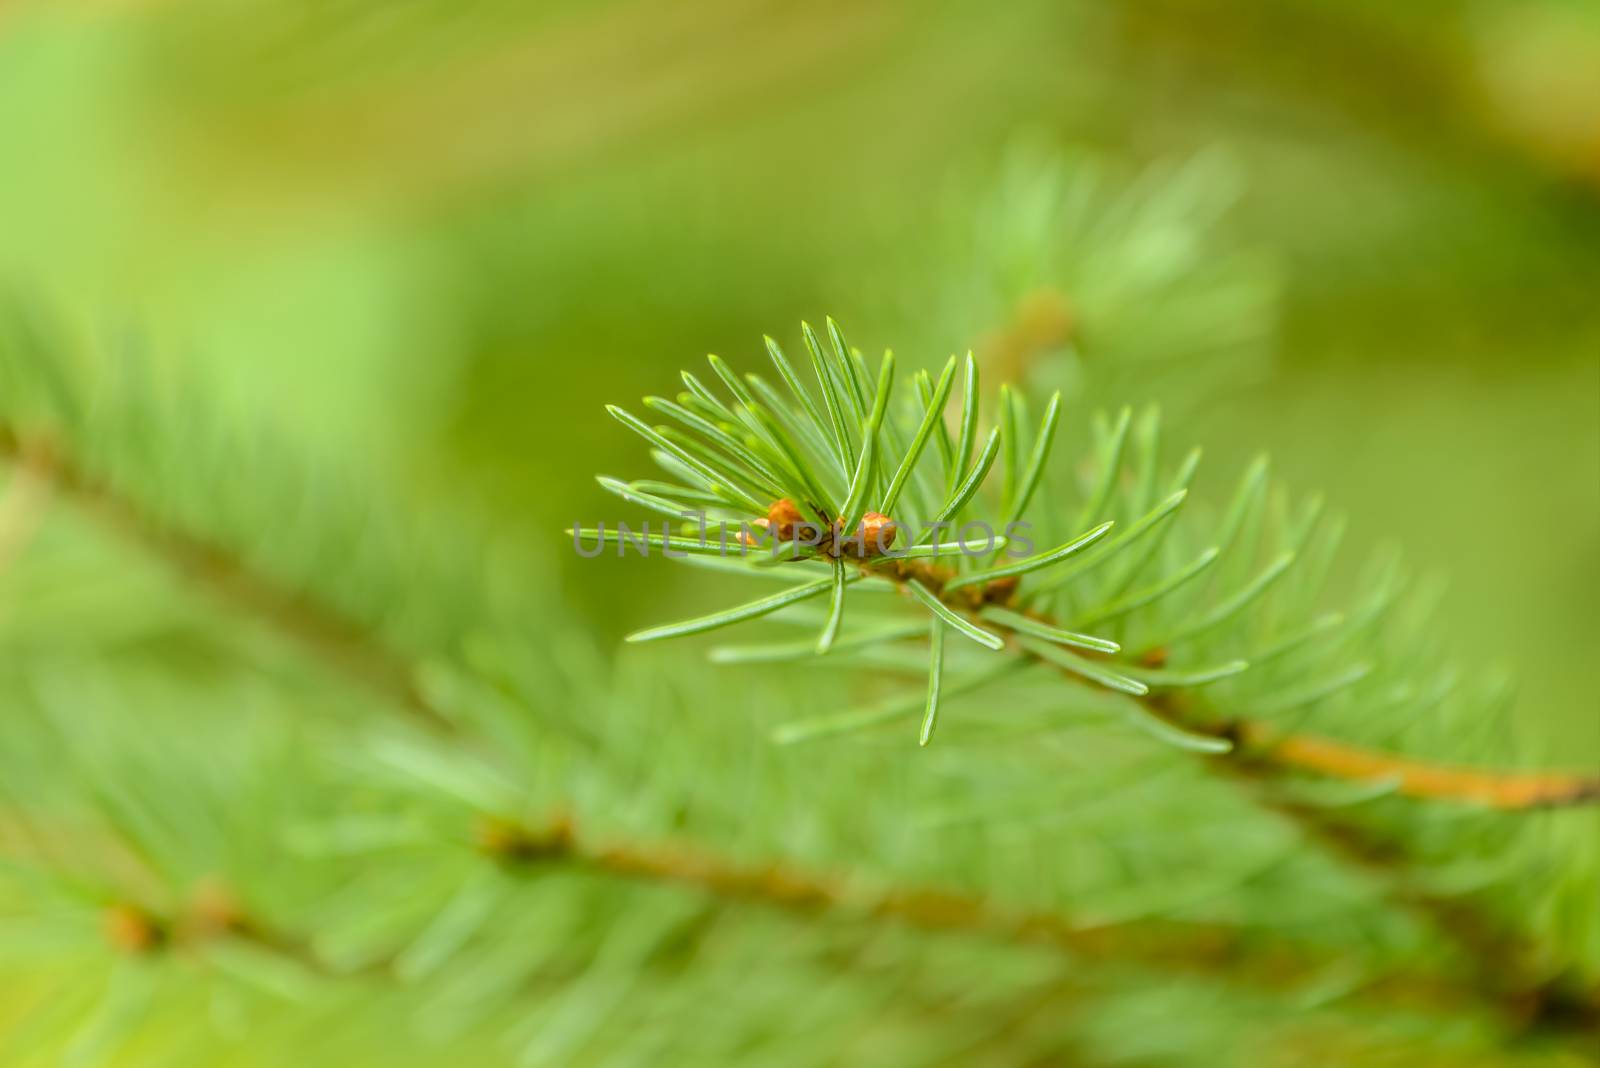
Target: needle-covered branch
pixel 1183 606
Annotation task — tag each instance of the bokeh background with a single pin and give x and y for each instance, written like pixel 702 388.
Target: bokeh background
pixel 442 234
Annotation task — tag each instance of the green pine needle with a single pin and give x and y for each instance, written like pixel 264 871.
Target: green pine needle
pixel 1155 591
pixel 969 419
pixel 1125 538
pixel 1027 625
pixel 985 638
pixel 832 398
pixel 1036 562
pixel 930 715
pixel 830 630
pixel 933 415
pixel 1162 731
pixel 859 719
pixel 1185 678
pixel 729 616
pixel 1092 670
pixel 703 470
pixel 969 486
pixel 780 652
pixel 1095 505
pixel 1034 472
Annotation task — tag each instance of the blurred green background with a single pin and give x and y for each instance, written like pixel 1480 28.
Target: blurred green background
pixel 415 228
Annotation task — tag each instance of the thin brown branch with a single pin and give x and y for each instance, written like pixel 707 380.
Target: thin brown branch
pixel 1507 790
pixel 1262 743
pixel 215 917
pixel 1170 947
pixel 1497 957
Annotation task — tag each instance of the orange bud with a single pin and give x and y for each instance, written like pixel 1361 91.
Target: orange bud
pixel 784 519
pixel 512 842
pixel 130 929
pixel 876 533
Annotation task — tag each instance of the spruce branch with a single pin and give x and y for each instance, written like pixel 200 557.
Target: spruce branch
pixel 215 919
pixel 211 919
pixel 1254 603
pixel 301 618
pixel 1077 272
pixel 1195 948
pixel 1264 743
pixel 205 935
pixel 1007 605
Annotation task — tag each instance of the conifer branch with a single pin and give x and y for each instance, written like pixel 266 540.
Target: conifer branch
pixel 1266 745
pixel 1510 791
pixel 1168 946
pixel 1036 619
pixel 215 918
pixel 953 591
pixel 1260 751
pixel 230 579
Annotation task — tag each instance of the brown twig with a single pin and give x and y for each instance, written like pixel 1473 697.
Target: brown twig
pixel 1252 740
pixel 1505 790
pixel 1263 744
pixel 212 915
pixel 1498 958
pixel 1166 946
pixel 215 917
pixel 1260 743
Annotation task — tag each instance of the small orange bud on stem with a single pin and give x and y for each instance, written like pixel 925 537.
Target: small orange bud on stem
pixel 873 537
pixel 133 930
pixel 786 523
pixel 784 519
pixel 877 532
pixel 509 841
